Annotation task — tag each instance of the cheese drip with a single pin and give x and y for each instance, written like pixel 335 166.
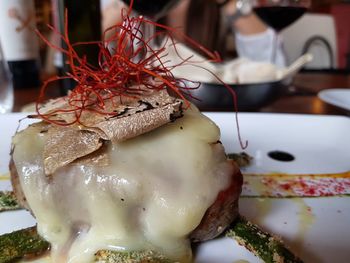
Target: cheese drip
pixel 152 194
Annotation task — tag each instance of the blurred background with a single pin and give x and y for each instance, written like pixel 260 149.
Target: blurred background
pixel 327 33
pixel 323 31
pixel 320 29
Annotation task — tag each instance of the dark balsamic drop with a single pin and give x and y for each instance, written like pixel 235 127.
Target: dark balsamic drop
pixel 281 156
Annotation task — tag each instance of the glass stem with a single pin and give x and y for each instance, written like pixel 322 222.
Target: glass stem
pixel 149 33
pixel 275 40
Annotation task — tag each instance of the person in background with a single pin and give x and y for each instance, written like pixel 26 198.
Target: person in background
pixel 210 23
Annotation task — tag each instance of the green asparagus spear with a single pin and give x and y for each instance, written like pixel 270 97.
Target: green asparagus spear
pixel 106 256
pixel 267 247
pixel 270 249
pixel 27 243
pixel 21 243
pixel 8 201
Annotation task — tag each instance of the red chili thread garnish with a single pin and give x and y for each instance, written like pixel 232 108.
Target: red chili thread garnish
pixel 128 67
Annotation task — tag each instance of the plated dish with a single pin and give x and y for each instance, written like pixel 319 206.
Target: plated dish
pixel 319 145
pixel 336 97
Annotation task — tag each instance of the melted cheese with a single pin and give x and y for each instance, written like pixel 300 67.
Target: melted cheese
pixel 152 195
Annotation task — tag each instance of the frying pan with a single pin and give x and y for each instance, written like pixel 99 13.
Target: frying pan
pixel 250 97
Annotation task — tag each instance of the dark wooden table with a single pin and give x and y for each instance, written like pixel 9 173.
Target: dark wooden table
pixel 26 97
pixel 302 99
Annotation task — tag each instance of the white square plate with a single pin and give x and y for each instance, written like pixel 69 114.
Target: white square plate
pixel 316 228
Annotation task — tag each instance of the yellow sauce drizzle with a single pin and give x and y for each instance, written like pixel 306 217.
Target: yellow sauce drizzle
pixel 5 177
pixel 285 175
pixel 264 206
pixel 305 217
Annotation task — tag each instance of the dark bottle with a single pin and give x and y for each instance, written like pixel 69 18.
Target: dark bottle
pixel 19 41
pixel 84 25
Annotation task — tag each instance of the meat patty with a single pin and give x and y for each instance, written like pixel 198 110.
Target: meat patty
pixel 216 219
pixel 16 185
pixel 222 212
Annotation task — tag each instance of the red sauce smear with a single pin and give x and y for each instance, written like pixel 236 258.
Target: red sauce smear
pixel 303 185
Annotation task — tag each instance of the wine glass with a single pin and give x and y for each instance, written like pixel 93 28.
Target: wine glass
pixel 153 10
pixel 279 14
pixel 6 87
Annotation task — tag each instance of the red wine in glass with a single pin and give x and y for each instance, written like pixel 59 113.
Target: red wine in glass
pixel 279 17
pixel 153 9
pixel 279 14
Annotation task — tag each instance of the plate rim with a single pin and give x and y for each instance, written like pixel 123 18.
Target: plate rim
pixel 324 95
